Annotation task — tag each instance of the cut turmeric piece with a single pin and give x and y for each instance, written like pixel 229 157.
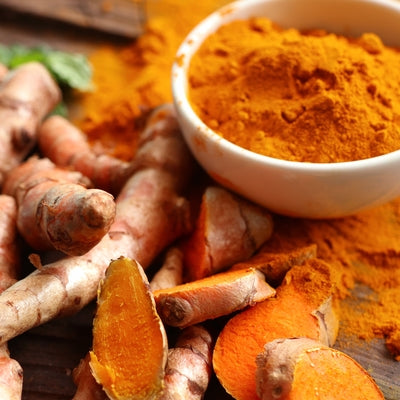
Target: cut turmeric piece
pixel 211 297
pixel 130 346
pixel 296 311
pixel 301 368
pixel 229 229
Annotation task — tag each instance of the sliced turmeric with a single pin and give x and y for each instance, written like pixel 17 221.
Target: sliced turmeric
pixel 229 229
pixel 302 368
pixel 130 345
pixel 211 297
pixel 297 310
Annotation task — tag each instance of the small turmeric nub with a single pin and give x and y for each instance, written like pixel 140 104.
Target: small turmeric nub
pixel 129 341
pixel 301 368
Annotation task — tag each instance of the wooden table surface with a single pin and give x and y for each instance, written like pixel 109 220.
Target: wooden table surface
pixel 49 353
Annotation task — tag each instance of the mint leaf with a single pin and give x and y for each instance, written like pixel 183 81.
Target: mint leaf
pixel 5 55
pixel 68 69
pixel 72 70
pixel 22 55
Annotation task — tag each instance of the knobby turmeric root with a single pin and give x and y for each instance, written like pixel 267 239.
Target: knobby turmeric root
pixel 67 146
pixel 229 229
pixel 302 368
pixel 130 345
pixel 86 386
pixel 170 273
pixel 189 368
pixel 27 95
pixel 301 308
pixel 11 373
pixel 150 215
pixel 211 297
pixel 9 249
pixel 56 209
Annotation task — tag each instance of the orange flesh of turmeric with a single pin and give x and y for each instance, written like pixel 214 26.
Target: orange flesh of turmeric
pixel 238 345
pixel 290 314
pixel 342 379
pixel 129 345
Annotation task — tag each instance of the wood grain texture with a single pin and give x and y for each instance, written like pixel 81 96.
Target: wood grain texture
pixel 119 17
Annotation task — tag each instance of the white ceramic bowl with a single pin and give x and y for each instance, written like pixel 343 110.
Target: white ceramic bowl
pixel 293 188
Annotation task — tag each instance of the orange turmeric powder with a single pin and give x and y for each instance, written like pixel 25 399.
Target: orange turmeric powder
pixel 300 96
pixel 364 248
pixel 129 80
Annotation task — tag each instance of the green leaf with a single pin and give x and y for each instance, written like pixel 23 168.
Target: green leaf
pixel 60 109
pixel 72 70
pixel 22 55
pixel 5 55
pixel 68 69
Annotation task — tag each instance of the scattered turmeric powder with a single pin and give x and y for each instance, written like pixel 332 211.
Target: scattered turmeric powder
pixel 130 80
pixel 302 96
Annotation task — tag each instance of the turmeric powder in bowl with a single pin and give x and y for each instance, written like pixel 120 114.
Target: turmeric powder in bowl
pixel 295 104
pixel 298 95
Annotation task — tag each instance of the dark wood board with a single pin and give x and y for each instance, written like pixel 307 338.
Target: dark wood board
pixel 118 17
pixel 49 353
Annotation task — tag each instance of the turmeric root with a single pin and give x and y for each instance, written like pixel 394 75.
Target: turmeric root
pixel 55 210
pixel 211 297
pixel 10 376
pixel 11 373
pixel 229 229
pixel 87 387
pixel 27 95
pixel 130 345
pixel 171 272
pixel 188 369
pixel 64 144
pixel 9 251
pixel 302 368
pixel 297 310
pixel 150 215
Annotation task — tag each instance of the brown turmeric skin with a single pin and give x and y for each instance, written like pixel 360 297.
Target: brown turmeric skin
pixel 306 96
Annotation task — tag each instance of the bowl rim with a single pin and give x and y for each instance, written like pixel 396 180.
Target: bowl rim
pixel 179 84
